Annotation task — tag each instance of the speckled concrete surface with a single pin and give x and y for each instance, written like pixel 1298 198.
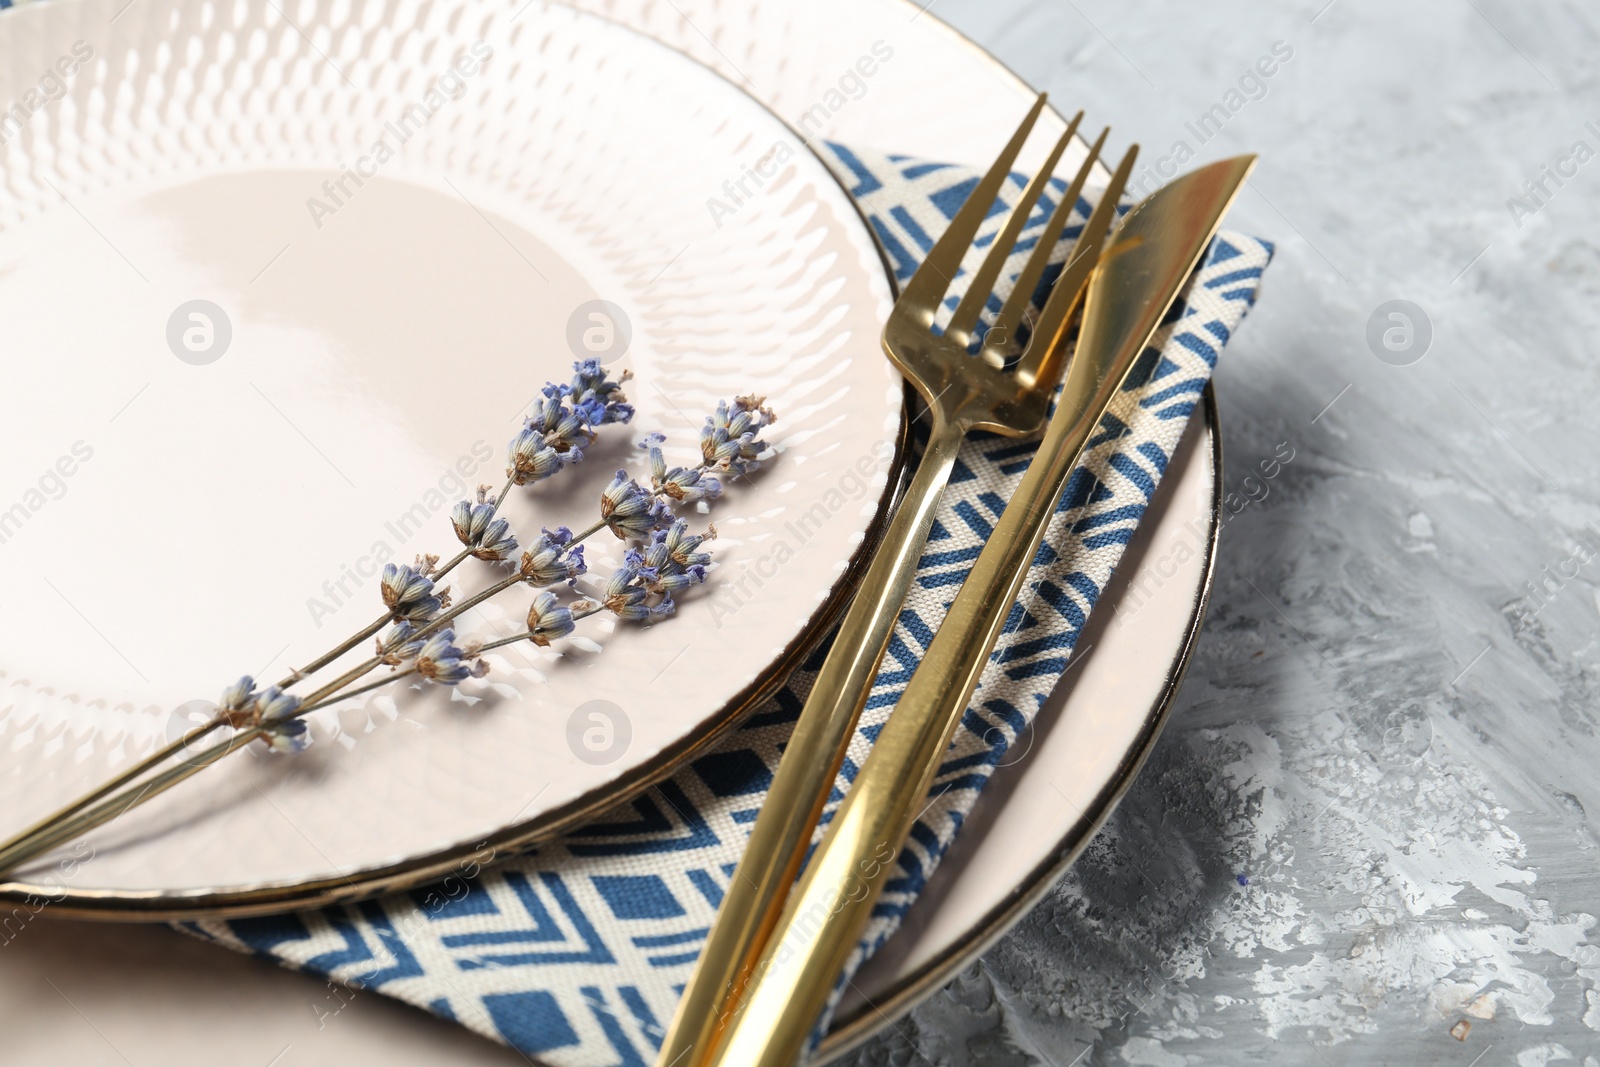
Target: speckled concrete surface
pixel 1365 836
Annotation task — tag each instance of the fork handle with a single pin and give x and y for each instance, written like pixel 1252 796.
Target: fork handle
pixel 810 762
pixel 830 907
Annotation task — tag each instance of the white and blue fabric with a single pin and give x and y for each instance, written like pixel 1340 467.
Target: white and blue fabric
pixel 576 953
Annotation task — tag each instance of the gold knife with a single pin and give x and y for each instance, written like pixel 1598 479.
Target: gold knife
pixel 1142 271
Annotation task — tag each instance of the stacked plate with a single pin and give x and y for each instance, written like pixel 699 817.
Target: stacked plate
pixel 280 285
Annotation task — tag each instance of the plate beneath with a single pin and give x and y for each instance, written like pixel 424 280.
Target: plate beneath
pixel 285 291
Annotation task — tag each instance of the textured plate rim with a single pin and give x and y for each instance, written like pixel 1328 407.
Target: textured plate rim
pixel 296 895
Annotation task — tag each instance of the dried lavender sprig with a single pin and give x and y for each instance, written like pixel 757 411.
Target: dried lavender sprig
pixel 626 508
pixel 267 713
pixel 547 620
pixel 728 443
pixel 565 419
pixel 235 699
pixel 407 591
pixel 22 848
pixel 271 715
pixel 277 716
pixel 557 557
pixel 156 758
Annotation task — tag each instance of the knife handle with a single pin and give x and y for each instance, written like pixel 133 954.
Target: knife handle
pixel 805 776
pixel 830 907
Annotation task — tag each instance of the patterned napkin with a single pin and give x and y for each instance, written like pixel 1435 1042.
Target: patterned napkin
pixel 577 953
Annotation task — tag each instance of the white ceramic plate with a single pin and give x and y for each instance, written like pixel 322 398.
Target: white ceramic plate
pixel 396 236
pixel 1119 690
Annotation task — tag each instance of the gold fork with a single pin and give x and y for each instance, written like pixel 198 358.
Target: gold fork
pixel 1006 391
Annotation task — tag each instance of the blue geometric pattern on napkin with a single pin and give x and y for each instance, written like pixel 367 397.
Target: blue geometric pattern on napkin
pixel 576 953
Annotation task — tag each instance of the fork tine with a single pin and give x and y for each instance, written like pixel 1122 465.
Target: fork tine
pixel 928 284
pixel 1064 295
pixel 1003 330
pixel 977 294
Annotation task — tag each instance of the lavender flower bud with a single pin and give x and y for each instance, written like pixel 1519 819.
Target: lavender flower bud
pixel 489 538
pixel 687 484
pixel 408 595
pixel 239 695
pixel 400 644
pixel 669 563
pixel 597 397
pixel 626 597
pixel 550 560
pixel 273 705
pixel 564 429
pixel 442 662
pixel 292 736
pixel 531 459
pixel 564 420
pixel 628 510
pixel 548 619
pixel 681 545
pixel 274 714
pixel 729 442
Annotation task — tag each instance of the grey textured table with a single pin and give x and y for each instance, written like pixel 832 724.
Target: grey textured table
pixel 1364 832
